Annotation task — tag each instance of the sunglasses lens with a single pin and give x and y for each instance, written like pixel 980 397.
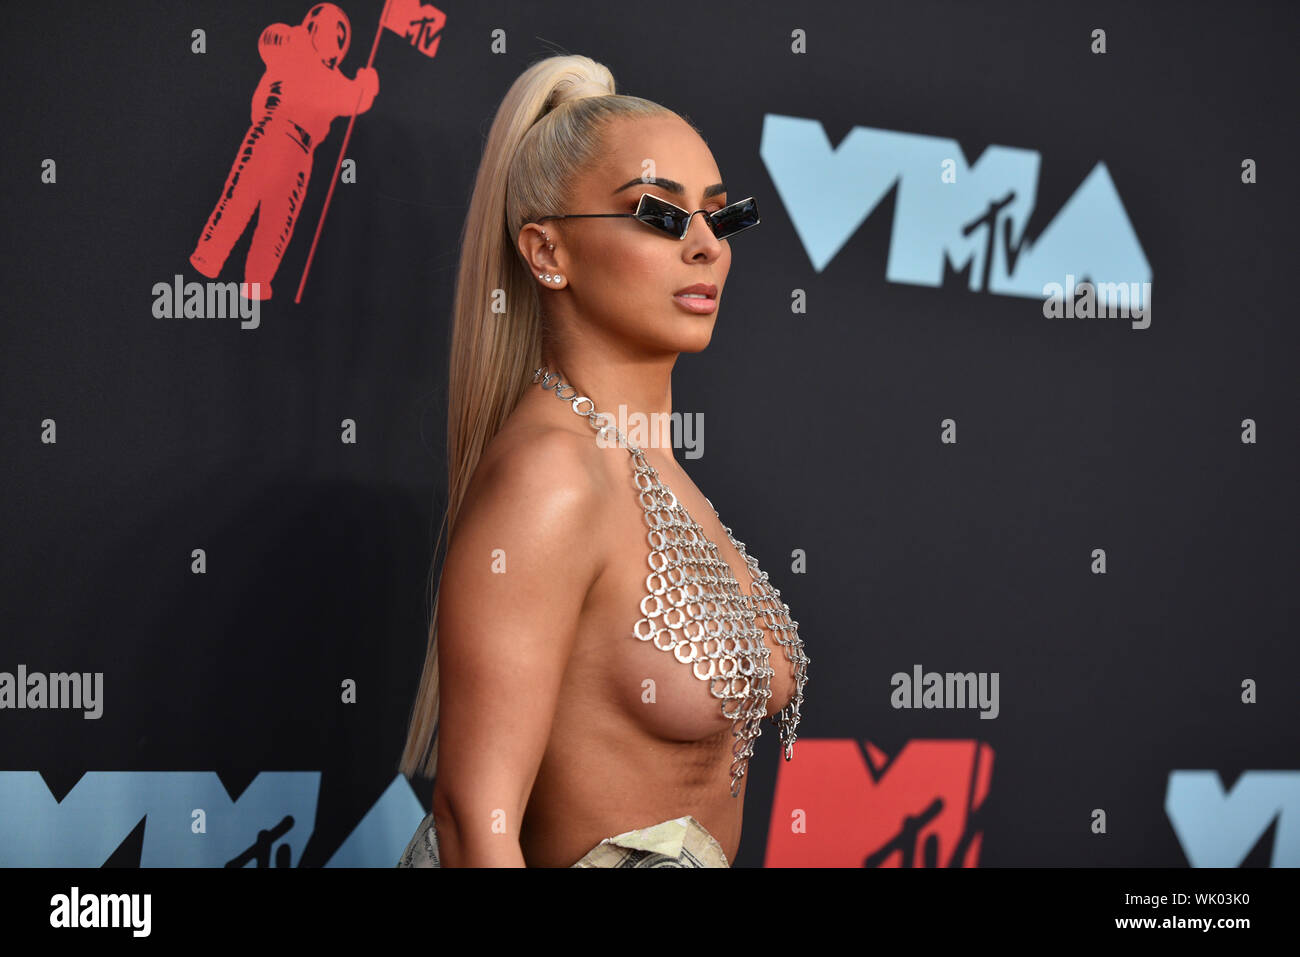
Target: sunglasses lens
pixel 732 219
pixel 661 215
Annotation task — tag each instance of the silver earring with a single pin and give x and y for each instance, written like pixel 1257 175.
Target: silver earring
pixel 547 276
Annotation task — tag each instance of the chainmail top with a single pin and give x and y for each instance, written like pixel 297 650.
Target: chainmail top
pixel 695 609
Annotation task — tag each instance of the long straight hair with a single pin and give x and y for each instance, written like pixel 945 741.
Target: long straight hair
pixel 549 126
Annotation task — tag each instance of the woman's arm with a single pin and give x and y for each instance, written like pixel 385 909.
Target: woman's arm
pixel 523 556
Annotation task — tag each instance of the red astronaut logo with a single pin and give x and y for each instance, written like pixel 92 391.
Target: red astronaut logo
pixel 300 94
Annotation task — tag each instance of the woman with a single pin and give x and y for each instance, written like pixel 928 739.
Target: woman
pixel 564 740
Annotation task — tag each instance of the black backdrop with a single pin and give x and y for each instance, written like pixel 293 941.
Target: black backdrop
pixel 823 428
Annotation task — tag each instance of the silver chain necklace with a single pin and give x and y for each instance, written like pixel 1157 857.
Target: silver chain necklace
pixel 694 606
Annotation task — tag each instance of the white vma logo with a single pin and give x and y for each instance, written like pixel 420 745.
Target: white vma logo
pixel 947 210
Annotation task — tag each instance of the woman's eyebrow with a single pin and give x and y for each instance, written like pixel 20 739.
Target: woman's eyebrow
pixel 671 186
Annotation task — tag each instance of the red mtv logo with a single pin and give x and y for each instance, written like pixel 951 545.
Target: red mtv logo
pixel 846 804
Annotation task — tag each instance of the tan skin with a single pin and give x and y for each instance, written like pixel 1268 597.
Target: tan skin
pixel 547 744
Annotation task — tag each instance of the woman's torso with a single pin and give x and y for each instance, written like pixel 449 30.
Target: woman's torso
pixel 636 738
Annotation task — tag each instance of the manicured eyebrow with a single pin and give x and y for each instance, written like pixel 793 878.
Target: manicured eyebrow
pixel 671 186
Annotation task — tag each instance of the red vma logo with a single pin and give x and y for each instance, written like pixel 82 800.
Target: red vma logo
pixel 919 808
pixel 301 93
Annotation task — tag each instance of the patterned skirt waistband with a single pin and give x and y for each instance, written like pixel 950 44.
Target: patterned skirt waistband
pixel 680 842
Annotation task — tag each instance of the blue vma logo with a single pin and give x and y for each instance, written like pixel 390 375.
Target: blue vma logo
pixel 190 820
pixel 1218 828
pixel 973 217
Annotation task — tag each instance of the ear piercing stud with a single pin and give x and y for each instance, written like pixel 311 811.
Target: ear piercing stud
pixel 547 277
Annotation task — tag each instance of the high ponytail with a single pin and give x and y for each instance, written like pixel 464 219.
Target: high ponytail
pixel 549 126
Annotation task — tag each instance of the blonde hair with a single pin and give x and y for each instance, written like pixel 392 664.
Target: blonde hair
pixel 549 126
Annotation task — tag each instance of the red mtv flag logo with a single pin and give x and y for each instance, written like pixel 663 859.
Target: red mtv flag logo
pixel 417 22
pixel 845 804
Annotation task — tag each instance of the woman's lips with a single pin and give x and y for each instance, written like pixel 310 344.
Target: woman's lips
pixel 696 304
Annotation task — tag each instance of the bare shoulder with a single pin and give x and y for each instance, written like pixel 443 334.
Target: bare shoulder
pixel 542 486
pixel 530 456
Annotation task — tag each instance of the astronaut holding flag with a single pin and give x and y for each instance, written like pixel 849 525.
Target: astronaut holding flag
pixel 300 94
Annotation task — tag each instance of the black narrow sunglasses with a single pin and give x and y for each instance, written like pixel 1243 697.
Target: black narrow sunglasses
pixel 675 221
